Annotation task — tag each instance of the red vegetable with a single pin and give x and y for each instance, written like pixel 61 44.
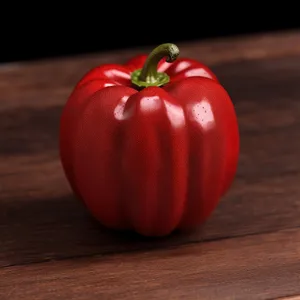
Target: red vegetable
pixel 151 145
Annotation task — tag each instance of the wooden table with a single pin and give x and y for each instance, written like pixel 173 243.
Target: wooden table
pixel 249 249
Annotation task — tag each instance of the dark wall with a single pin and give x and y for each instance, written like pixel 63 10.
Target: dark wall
pixel 51 31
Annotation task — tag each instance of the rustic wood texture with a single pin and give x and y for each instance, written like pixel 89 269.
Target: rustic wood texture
pixel 249 249
pixel 289 298
pixel 251 267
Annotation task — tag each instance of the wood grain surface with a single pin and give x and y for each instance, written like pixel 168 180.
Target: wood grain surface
pixel 50 248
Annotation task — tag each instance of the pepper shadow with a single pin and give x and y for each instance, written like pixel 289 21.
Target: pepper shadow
pixel 37 230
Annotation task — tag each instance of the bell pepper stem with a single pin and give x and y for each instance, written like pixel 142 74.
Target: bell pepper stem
pixel 148 75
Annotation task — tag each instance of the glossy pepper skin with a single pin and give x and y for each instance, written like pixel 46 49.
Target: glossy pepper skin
pixel 151 145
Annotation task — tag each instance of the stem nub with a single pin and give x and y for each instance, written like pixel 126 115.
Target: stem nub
pixel 148 75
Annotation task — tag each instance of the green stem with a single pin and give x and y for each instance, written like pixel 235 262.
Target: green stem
pixel 148 75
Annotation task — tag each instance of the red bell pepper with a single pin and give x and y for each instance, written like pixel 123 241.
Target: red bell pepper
pixel 151 145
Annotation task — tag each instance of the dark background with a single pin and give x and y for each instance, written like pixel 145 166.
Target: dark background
pixel 48 30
